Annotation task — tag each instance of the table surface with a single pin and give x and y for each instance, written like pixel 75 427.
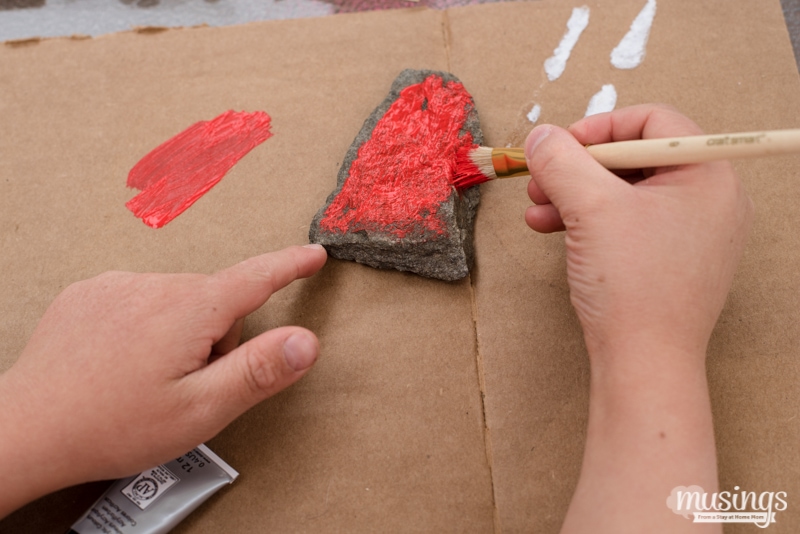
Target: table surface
pixel 552 381
pixel 24 19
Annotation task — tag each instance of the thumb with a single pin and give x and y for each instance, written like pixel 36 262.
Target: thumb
pixel 256 370
pixel 565 173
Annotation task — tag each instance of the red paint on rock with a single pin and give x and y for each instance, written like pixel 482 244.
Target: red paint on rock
pixel 181 170
pixel 403 172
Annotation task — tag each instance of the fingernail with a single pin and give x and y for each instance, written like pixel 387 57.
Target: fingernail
pixel 536 136
pixel 314 246
pixel 300 351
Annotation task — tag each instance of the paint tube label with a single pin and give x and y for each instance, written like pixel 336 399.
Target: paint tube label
pixel 146 488
pixel 156 500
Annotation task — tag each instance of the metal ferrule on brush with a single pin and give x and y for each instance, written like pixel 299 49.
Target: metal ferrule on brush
pixel 508 162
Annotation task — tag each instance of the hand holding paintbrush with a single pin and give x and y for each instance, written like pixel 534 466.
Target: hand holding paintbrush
pixel 481 164
pixel 649 266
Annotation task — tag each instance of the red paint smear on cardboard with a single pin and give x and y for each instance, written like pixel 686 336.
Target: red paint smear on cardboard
pixel 178 172
pixel 402 173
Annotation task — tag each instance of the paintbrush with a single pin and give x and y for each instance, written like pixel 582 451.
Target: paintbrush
pixel 481 164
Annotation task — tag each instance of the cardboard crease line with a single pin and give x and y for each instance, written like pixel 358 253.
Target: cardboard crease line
pixel 487 435
pixel 446 37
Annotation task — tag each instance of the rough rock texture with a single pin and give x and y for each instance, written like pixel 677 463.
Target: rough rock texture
pixel 444 252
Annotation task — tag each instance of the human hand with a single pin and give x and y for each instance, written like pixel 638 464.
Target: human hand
pixel 650 261
pixel 126 371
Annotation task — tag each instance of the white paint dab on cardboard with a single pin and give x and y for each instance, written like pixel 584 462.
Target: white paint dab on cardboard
pixel 554 65
pixel 630 51
pixel 604 100
pixel 533 114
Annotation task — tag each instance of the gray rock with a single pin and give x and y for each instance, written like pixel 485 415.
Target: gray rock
pixel 446 255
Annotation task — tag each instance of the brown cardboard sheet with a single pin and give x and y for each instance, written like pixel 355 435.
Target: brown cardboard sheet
pixel 435 406
pixel 718 63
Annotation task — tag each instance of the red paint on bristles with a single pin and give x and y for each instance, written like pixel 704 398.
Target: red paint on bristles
pixel 467 173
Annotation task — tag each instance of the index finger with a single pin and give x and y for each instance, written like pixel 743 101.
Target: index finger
pixel 645 121
pixel 246 286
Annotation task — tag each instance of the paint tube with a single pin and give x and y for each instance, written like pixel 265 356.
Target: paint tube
pixel 156 500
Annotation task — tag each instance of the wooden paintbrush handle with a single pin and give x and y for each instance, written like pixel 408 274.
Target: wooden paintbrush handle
pixel 646 153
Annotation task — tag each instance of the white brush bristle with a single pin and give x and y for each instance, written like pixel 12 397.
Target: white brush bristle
pixel 482 158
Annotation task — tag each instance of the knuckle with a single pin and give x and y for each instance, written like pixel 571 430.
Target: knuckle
pixel 266 279
pixel 679 124
pixel 258 277
pixel 665 108
pixel 661 111
pixel 261 374
pixel 546 159
pixel 90 287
